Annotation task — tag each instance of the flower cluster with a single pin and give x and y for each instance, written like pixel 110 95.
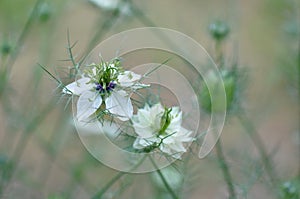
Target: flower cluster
pixel 107 87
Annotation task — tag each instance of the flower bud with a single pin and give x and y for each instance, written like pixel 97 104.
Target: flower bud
pixel 229 81
pixel 6 48
pixel 44 12
pixel 219 30
pixel 290 189
pixel 117 6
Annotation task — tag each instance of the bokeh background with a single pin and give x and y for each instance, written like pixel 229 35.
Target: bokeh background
pixel 41 155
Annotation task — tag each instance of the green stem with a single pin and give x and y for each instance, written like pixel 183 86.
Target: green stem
pixel 225 170
pixel 148 22
pixel 23 35
pixel 26 135
pixel 257 140
pixel 172 193
pixel 298 89
pixel 100 193
pixel 108 23
pixel 219 54
pixel 141 16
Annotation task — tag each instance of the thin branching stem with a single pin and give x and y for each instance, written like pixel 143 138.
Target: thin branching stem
pixel 298 90
pixel 108 23
pixel 257 140
pixel 23 35
pixel 219 149
pixel 100 194
pixel 219 54
pixel 26 135
pixel 225 170
pixel 70 53
pixel 170 190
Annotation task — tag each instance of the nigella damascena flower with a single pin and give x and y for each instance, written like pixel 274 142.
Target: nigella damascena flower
pixel 159 127
pixel 110 5
pixel 107 83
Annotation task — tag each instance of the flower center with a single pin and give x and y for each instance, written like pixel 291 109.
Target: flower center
pixel 103 87
pixel 105 75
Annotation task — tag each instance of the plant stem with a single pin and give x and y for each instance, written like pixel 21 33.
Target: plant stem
pixel 108 185
pixel 298 90
pixel 173 194
pixel 148 22
pixel 23 35
pixel 100 193
pixel 26 135
pixel 257 140
pixel 108 23
pixel 219 54
pixel 225 170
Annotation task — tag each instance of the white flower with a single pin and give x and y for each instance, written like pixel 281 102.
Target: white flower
pixel 105 83
pixel 159 127
pixel 109 5
pixel 106 4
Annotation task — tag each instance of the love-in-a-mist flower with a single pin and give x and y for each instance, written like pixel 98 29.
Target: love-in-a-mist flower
pixel 160 128
pixel 122 6
pixel 107 83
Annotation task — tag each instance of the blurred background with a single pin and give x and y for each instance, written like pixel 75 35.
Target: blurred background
pixel 41 155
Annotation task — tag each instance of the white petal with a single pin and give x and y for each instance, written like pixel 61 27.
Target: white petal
pixel 88 128
pixel 119 104
pixel 185 135
pixel 87 104
pixel 78 87
pixel 137 86
pixel 143 131
pixel 156 111
pixel 178 147
pixel 164 148
pixel 144 117
pixel 97 102
pixel 138 144
pixel 169 140
pixel 128 78
pixel 106 4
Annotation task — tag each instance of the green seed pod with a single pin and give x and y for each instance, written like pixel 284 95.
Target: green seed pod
pixel 219 30
pixel 229 81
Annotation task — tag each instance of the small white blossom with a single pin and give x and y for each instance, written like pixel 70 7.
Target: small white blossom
pixel 123 6
pixel 105 83
pixel 106 4
pixel 159 127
